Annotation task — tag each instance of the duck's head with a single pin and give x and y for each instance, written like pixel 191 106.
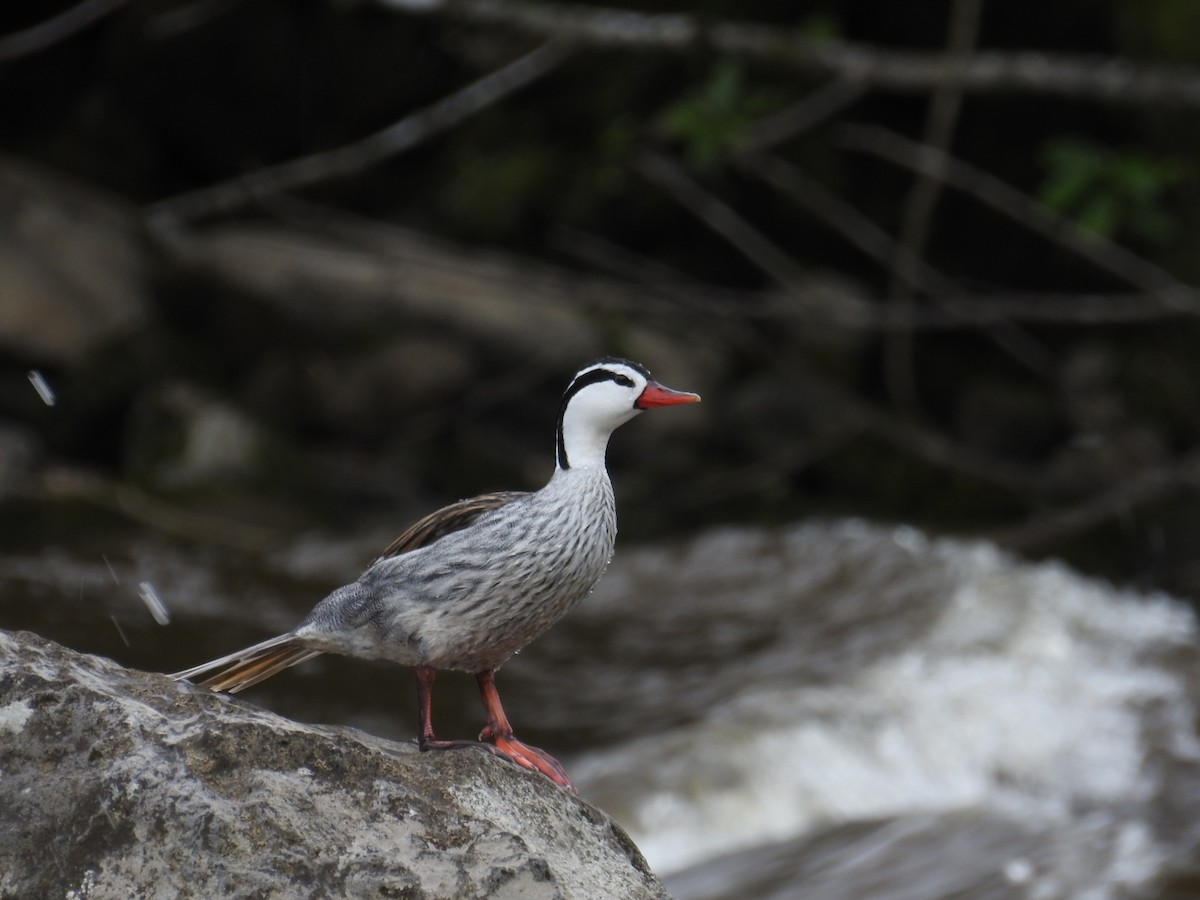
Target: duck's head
pixel 602 396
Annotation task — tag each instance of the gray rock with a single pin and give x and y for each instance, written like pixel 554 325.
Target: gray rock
pixel 179 436
pixel 73 266
pixel 122 784
pixel 409 372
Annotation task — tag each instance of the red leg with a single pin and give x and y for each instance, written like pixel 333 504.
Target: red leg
pixel 425 679
pixel 425 737
pixel 500 733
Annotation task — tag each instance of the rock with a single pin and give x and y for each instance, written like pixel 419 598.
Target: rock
pixel 388 382
pixel 376 281
pixel 72 265
pixel 119 784
pixel 380 279
pixel 179 435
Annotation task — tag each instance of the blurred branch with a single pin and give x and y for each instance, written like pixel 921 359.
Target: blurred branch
pixel 175 21
pixel 720 217
pixel 595 250
pixel 55 29
pixel 1096 78
pixel 817 107
pixel 332 267
pixel 839 215
pixel 1136 489
pixel 958 308
pixel 336 271
pixel 1099 251
pixel 913 273
pixel 921 441
pixel 770 472
pixel 68 484
pixel 353 158
pixel 917 211
pixel 964 310
pixel 951 308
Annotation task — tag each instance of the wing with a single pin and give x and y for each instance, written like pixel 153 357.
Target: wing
pixel 454 517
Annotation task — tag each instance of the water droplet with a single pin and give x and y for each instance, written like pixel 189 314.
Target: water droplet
pixel 120 631
pixel 42 387
pixel 150 597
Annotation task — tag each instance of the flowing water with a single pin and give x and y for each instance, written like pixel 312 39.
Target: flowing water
pixel 828 711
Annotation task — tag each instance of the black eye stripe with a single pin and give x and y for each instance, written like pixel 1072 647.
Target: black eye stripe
pixel 595 376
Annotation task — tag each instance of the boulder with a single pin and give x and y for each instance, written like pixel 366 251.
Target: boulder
pixel 118 784
pixel 73 265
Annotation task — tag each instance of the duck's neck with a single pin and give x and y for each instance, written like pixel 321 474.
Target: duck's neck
pixel 580 448
pixel 582 438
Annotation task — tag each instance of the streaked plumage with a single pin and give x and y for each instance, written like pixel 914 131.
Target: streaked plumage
pixel 471 584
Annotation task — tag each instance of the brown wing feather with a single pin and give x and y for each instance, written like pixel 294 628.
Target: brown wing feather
pixel 250 665
pixel 249 673
pixel 454 517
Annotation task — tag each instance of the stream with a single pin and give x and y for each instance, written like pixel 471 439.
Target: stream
pixel 831 710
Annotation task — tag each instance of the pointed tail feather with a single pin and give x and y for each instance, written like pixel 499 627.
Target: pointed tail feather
pixel 248 667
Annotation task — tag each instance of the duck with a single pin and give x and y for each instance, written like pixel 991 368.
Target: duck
pixel 468 586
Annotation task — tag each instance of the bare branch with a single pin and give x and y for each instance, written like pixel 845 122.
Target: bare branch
pixel 962 310
pixel 817 107
pixel 721 218
pixel 1101 252
pixel 350 159
pixel 956 308
pixel 1136 489
pixel 787 457
pixel 839 215
pixel 595 250
pixel 921 441
pixel 57 28
pixel 1081 77
pixel 917 214
pixel 952 310
pixel 61 483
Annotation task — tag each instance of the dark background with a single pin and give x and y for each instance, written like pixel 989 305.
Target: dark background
pixel 394 331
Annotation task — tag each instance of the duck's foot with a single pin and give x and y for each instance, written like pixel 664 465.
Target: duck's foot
pixel 529 757
pixel 509 748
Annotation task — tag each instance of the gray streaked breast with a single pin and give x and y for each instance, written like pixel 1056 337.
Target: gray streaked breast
pixel 473 598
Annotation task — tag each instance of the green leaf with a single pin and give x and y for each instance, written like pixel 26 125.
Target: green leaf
pixel 1100 215
pixel 821 27
pixel 710 119
pixel 1109 192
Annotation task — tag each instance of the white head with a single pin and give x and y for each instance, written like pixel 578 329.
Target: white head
pixel 602 396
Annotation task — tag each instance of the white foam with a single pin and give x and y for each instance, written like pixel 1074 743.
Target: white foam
pixel 1029 695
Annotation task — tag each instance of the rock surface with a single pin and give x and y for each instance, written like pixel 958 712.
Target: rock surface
pixel 122 784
